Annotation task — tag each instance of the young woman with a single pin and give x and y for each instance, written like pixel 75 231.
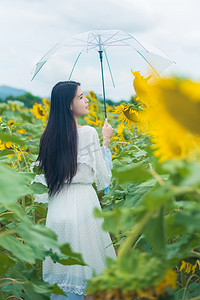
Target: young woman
pixel 72 159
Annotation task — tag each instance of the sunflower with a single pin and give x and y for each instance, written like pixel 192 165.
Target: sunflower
pixel 11 122
pixel 18 155
pixel 170 139
pixel 189 267
pixel 18 107
pixel 169 147
pixel 38 111
pixel 168 281
pixel 109 109
pixel 93 106
pixel 120 130
pixel 6 145
pixel 2 146
pixel 169 117
pixel 115 150
pixel 13 106
pixel 147 95
pixel 129 116
pixel 92 96
pixel 46 103
pixel 21 131
pixel 190 89
pixel 181 99
pixel 93 119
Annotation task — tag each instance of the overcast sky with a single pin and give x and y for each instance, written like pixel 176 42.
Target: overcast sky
pixel 29 28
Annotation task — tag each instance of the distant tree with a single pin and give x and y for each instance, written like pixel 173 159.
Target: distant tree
pixel 9 97
pixel 28 99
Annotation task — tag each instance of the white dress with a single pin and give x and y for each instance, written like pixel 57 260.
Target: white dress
pixel 70 215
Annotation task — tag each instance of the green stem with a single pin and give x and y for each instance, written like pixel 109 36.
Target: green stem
pixel 7 232
pixel 183 280
pixel 137 147
pixel 23 203
pixel 33 212
pixel 28 170
pixel 132 237
pixel 156 175
pixel 14 148
pixel 185 189
pixel 196 254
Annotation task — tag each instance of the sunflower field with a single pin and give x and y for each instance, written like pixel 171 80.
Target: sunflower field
pixel 152 210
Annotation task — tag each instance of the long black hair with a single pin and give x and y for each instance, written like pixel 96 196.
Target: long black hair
pixel 58 143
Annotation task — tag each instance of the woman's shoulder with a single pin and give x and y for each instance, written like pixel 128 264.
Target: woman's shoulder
pixel 87 128
pixel 87 134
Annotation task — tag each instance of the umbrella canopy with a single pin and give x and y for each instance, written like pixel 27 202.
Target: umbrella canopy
pixel 115 46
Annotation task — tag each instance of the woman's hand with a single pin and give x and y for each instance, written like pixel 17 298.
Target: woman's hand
pixel 107 132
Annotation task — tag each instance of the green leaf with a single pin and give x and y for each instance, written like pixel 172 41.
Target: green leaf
pixel 38 234
pixel 38 188
pixel 18 249
pixel 183 222
pixel 134 194
pixel 73 257
pixel 135 173
pixel 39 286
pixel 18 212
pixel 6 152
pixel 155 234
pixel 182 247
pixel 8 137
pixel 158 196
pixel 5 262
pixel 57 290
pixel 12 185
pixel 191 292
pixel 118 219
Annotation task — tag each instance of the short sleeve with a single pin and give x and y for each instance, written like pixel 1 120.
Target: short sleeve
pixel 102 164
pixel 41 198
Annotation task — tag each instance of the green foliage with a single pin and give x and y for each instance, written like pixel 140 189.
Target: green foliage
pixel 17 258
pixel 152 212
pixel 27 99
pixel 138 272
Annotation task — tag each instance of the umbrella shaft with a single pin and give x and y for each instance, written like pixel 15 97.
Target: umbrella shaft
pixel 104 98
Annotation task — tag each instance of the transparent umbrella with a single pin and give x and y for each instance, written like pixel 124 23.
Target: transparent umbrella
pixel 120 50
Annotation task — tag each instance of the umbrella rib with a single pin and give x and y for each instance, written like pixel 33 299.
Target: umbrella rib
pixel 99 40
pixel 138 42
pixel 120 40
pixel 109 69
pixel 148 63
pixel 125 43
pixel 92 47
pixel 74 65
pixel 111 37
pixel 95 37
pixel 38 70
pixel 91 42
pixel 49 51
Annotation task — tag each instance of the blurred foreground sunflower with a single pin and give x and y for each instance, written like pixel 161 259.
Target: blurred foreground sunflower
pixel 171 116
